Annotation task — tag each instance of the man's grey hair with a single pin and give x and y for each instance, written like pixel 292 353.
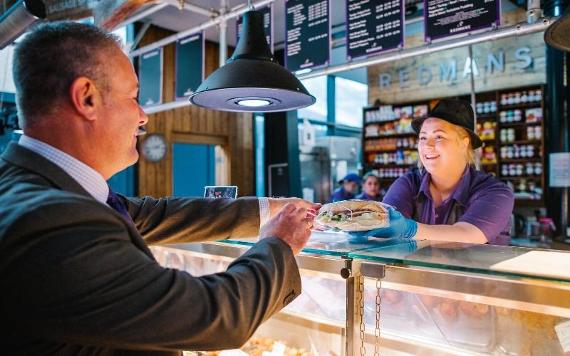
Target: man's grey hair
pixel 50 57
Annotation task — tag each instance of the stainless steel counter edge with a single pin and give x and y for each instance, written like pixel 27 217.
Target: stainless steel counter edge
pixel 305 261
pixel 529 294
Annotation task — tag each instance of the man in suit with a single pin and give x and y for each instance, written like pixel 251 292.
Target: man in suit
pixel 77 277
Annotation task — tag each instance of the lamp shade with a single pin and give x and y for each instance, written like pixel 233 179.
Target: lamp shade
pixel 557 34
pixel 18 18
pixel 252 80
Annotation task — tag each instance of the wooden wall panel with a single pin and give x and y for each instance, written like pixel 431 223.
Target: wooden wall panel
pixel 233 131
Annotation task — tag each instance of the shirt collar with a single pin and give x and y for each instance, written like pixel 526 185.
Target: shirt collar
pixel 461 193
pixel 86 176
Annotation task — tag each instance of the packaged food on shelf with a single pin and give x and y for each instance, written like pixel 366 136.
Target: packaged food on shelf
pixel 489 155
pixel 371 131
pixel 486 107
pixel 507 135
pixel 390 172
pixel 521 97
pixel 400 157
pixel 486 130
pixel 510 116
pixel 380 114
pixel 533 115
pixel 534 132
pixel 420 111
pixel 518 151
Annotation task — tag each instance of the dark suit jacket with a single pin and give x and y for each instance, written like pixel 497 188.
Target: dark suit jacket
pixel 77 279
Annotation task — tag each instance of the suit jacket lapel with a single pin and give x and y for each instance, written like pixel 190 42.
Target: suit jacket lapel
pixel 58 178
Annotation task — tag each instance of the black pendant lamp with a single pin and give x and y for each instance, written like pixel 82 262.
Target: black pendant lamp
pixel 252 80
pixel 557 34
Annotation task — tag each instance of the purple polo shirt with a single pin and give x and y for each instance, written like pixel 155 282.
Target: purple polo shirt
pixel 486 202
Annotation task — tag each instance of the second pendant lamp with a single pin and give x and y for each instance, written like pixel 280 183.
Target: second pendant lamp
pixel 252 80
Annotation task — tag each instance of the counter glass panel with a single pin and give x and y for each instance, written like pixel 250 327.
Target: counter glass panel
pixel 487 259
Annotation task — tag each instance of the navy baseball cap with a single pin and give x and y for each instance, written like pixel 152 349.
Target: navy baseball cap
pixel 351 177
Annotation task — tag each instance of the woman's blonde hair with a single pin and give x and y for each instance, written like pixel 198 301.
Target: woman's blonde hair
pixel 470 154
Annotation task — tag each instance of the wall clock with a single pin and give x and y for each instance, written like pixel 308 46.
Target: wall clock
pixel 154 147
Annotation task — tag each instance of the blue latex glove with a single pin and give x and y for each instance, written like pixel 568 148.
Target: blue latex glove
pixel 400 228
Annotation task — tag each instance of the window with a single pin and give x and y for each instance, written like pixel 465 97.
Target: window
pixel 350 98
pixel 317 87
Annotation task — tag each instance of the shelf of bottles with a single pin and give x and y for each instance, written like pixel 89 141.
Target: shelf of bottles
pixel 521 143
pixel 486 128
pixel 389 142
pixel 509 122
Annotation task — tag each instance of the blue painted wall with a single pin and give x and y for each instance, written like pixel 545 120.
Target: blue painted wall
pixel 193 167
pixel 124 182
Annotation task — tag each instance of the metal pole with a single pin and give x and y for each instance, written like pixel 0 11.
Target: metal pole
pixel 516 30
pixel 213 22
pixel 351 308
pixel 140 35
pixel 565 148
pixel 472 77
pixel 223 37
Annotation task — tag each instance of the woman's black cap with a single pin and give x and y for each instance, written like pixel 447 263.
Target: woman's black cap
pixel 457 112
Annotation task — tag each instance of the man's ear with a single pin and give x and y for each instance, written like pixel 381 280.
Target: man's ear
pixel 85 97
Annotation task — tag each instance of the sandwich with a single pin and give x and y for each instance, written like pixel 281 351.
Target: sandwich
pixel 353 215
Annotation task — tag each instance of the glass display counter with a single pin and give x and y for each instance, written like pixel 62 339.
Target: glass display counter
pixel 394 297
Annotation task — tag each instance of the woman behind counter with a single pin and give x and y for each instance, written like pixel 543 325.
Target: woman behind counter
pixel 370 188
pixel 448 199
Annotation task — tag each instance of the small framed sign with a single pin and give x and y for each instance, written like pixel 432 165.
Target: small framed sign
pixel 220 191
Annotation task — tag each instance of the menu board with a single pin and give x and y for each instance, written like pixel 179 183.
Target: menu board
pixel 150 78
pixel 189 64
pixel 308 32
pixel 267 12
pixel 444 18
pixel 373 26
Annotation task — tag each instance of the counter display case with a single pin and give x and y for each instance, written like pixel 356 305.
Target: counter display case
pixel 394 297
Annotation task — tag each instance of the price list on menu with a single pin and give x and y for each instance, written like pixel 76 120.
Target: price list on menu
pixel 373 26
pixel 308 30
pixel 446 18
pixel 267 17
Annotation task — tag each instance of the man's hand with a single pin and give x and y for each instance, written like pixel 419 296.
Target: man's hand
pixel 276 204
pixel 292 225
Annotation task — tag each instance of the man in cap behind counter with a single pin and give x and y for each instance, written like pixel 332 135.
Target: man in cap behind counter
pixel 348 187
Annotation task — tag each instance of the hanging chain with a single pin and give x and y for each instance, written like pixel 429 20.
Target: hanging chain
pixel 361 313
pixel 377 328
pixel 181 4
